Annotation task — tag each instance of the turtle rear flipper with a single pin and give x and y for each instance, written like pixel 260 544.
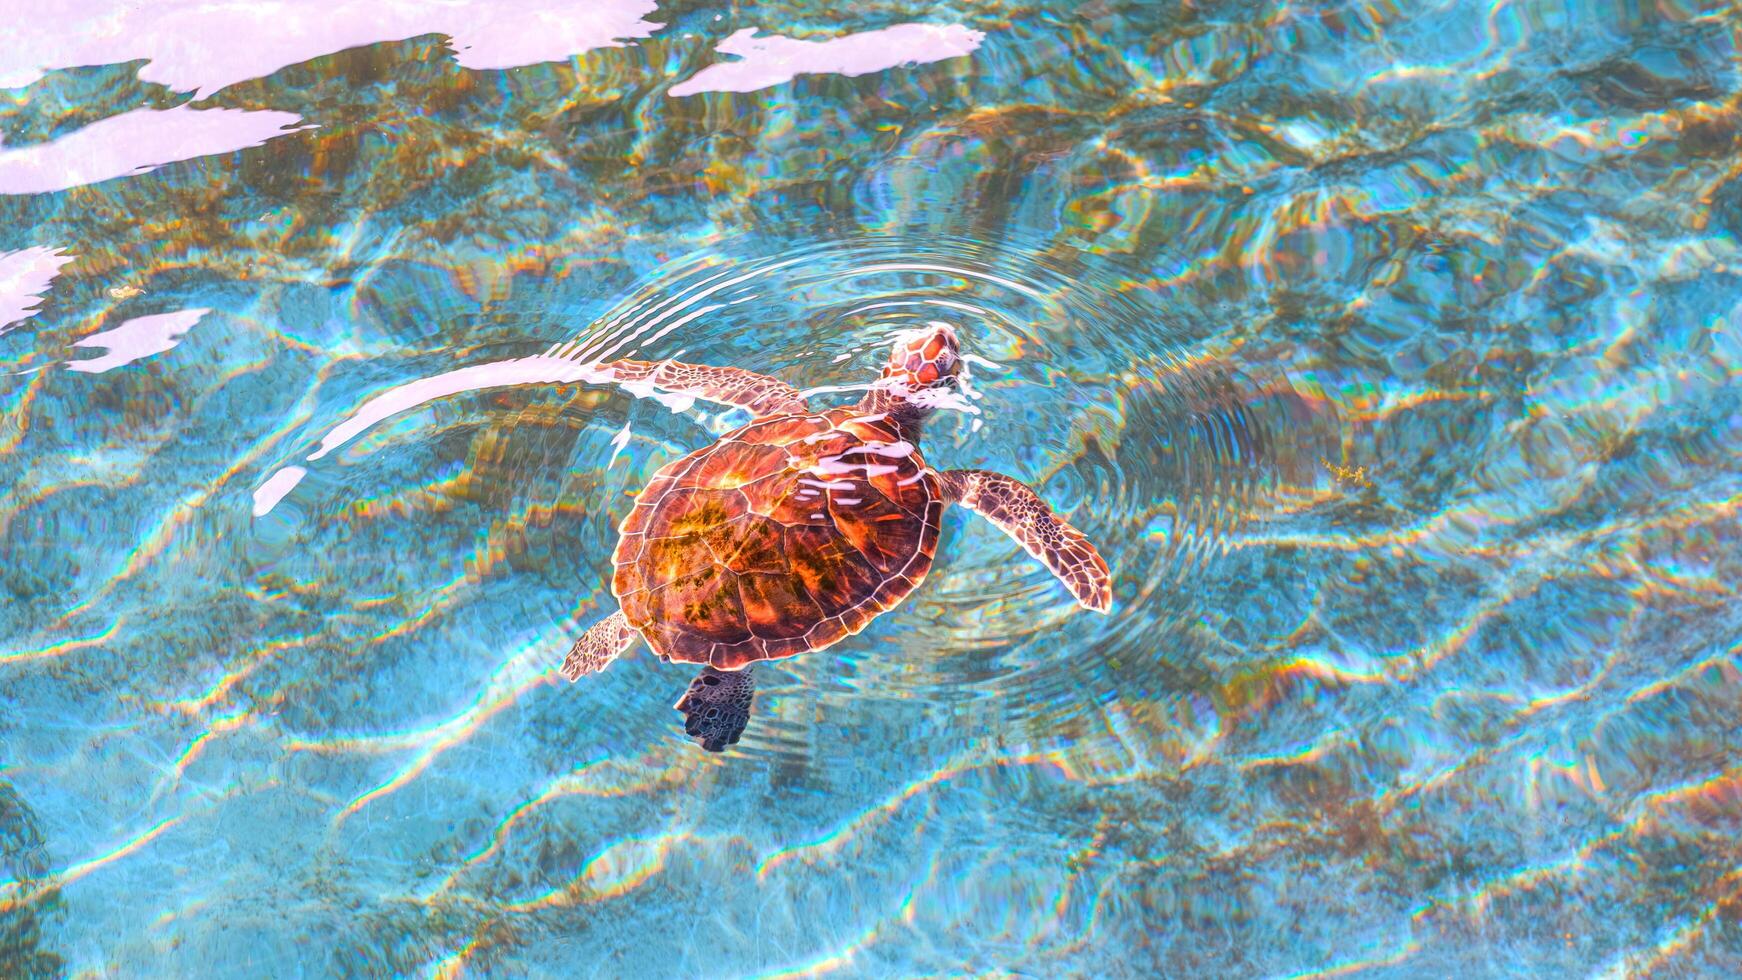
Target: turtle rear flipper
pixel 717 707
pixel 598 646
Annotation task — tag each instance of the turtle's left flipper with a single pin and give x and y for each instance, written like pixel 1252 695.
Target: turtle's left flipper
pixel 1019 512
pixel 726 385
pixel 717 707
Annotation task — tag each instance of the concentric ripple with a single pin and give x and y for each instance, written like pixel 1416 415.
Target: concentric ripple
pixel 1158 449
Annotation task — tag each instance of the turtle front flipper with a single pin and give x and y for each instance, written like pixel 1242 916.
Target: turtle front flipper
pixel 717 707
pixel 725 385
pixel 1019 512
pixel 598 646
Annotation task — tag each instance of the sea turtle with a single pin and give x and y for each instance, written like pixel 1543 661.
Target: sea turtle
pixel 794 531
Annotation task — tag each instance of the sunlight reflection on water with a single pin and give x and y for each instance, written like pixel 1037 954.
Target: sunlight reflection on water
pixel 1388 353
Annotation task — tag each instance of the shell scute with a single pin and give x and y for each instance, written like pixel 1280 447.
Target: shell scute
pixel 775 606
pixel 692 513
pixel 749 544
pixel 806 505
pixel 737 464
pixel 828 631
pixel 780 431
pixel 785 536
pixel 834 575
pixel 705 602
pixel 667 559
pixel 877 528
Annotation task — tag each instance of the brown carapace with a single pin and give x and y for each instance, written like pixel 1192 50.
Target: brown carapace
pixel 796 530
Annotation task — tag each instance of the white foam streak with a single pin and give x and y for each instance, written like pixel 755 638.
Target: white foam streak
pixel 618 443
pixel 496 374
pixel 276 488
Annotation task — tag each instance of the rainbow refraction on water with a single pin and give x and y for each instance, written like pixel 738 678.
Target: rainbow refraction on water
pixel 1388 352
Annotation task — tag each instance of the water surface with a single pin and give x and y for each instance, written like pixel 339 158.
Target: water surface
pixel 1389 352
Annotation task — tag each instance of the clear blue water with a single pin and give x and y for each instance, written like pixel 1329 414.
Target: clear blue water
pixel 1388 351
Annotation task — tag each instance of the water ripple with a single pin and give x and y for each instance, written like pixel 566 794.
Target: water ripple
pixel 1389 353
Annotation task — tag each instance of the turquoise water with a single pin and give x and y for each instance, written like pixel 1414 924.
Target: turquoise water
pixel 1388 351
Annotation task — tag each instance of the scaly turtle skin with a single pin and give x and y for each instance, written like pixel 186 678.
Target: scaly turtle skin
pixel 795 531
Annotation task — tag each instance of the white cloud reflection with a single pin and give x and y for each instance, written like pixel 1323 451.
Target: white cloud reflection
pixel 134 143
pixel 25 276
pixel 204 45
pixel 768 61
pixel 137 338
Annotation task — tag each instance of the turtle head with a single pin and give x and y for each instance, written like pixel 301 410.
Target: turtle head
pixel 926 358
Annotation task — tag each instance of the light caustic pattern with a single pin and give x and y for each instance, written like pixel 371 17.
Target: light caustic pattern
pixel 1388 352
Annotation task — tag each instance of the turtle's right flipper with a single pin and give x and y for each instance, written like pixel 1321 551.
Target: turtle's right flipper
pixel 598 646
pixel 717 707
pixel 1019 512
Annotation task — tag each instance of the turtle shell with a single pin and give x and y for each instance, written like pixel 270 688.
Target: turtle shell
pixel 783 537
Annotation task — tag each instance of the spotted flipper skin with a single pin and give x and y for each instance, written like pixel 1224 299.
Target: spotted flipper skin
pixel 725 385
pixel 598 646
pixel 717 707
pixel 1019 512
